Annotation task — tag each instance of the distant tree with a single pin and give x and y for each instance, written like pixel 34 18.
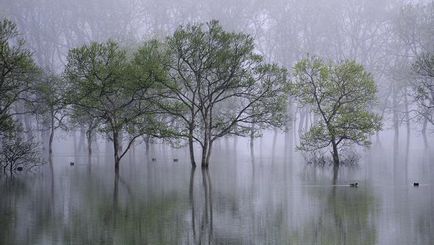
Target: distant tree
pixel 82 118
pixel 17 73
pixel 217 86
pixel 103 83
pixel 50 105
pixel 341 95
pixel 423 86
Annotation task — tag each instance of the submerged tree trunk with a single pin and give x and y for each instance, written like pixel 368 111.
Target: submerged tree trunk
pixel 335 154
pixel 206 146
pixel 204 155
pixel 89 141
pixel 116 150
pixel 191 147
pixel 208 155
pixel 147 142
pixel 335 173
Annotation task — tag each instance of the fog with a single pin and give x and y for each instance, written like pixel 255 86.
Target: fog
pixel 265 182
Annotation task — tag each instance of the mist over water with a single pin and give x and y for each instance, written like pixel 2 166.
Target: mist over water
pixel 265 192
pixel 274 198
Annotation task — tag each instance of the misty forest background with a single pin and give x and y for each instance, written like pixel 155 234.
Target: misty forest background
pixel 392 40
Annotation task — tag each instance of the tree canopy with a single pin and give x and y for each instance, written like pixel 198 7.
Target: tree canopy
pixel 104 84
pixel 17 73
pixel 341 96
pixel 217 85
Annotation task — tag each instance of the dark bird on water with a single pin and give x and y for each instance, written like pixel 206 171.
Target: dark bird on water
pixel 71 163
pixel 175 159
pixel 354 184
pixel 416 184
pixel 153 159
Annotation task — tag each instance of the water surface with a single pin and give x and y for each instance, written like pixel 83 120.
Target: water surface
pixel 272 198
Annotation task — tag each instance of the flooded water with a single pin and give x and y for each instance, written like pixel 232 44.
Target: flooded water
pixel 272 198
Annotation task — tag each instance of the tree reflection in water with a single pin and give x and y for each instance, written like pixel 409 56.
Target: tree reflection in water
pixel 204 212
pixel 244 202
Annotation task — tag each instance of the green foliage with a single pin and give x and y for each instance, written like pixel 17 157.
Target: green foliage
pixel 341 95
pixel 49 104
pixel 217 85
pixel 17 72
pixel 108 86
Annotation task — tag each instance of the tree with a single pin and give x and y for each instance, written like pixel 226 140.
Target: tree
pixel 17 154
pixel 423 86
pixel 105 84
pixel 217 86
pixel 340 94
pixel 82 118
pixel 17 72
pixel 50 105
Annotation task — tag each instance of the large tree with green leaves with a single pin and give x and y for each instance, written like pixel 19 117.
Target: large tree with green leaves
pixel 17 74
pixel 105 84
pixel 341 95
pixel 217 86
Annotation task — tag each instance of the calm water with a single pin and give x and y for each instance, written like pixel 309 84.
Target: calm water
pixel 274 198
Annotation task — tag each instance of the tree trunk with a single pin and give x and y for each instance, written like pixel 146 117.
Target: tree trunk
pixel 50 143
pixel 11 168
pixel 335 173
pixel 206 142
pixel 407 113
pixel 191 147
pixel 395 110
pixel 116 150
pixel 335 154
pixel 89 141
pixel 252 137
pixel 301 122
pixel 204 154
pixel 274 146
pixel 208 154
pixel 425 124
pixel 28 124
pixel 82 140
pixel 147 141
